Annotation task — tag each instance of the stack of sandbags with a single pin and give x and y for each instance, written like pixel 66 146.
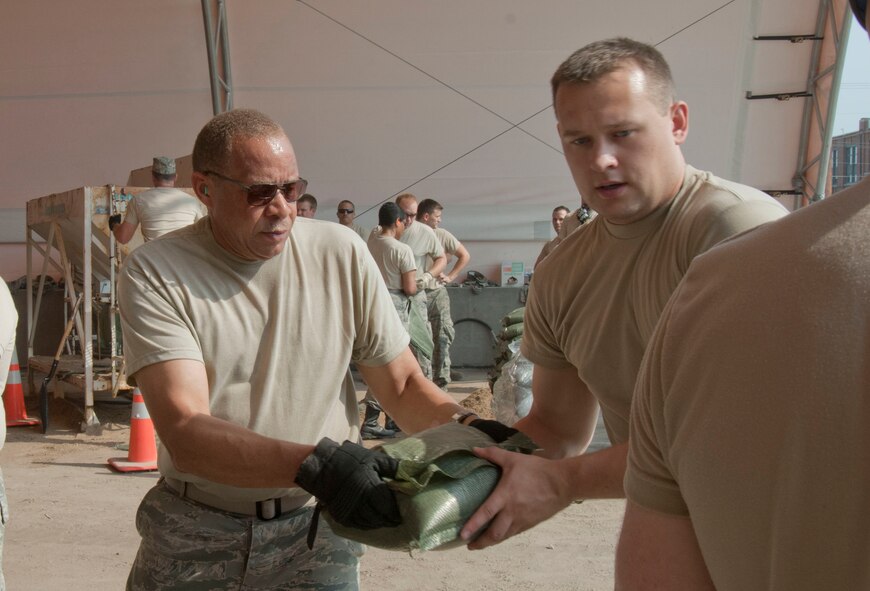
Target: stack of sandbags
pixel 511 379
pixel 508 341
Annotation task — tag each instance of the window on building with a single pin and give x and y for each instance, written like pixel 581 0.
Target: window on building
pixel 851 164
pixel 835 167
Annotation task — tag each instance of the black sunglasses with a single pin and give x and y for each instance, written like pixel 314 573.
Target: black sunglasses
pixel 262 194
pixel 345 211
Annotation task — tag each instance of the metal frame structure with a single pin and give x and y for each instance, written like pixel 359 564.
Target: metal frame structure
pixel 832 31
pixel 217 43
pixel 810 181
pixel 70 231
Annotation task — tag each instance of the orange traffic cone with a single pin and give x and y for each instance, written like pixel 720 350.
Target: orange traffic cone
pixel 13 397
pixel 142 455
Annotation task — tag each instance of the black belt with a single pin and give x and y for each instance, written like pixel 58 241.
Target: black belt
pixel 265 510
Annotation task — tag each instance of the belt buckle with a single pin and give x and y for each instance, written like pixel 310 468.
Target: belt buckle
pixel 269 509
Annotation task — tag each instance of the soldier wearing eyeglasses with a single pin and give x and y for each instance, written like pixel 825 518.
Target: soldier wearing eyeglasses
pixel 159 210
pixel 346 213
pixel 211 315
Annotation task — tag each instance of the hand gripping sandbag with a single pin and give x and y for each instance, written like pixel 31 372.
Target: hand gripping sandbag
pixel 439 484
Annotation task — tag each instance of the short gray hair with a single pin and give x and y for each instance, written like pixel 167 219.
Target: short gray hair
pixel 214 143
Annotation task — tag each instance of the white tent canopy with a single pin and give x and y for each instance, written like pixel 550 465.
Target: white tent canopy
pixel 447 99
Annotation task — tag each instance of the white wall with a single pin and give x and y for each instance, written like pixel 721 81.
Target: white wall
pixel 446 99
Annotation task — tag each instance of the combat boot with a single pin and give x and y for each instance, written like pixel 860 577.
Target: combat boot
pixel 370 428
pixel 391 425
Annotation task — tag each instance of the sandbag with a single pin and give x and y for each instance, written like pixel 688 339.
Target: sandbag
pixel 439 485
pixel 513 331
pixel 514 316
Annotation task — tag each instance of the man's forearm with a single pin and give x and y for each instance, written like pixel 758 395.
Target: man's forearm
pixel 414 402
pixel 462 260
pixel 599 475
pixel 227 453
pixel 437 266
pixel 423 405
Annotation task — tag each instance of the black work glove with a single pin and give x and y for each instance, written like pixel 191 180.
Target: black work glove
pixel 346 479
pixel 114 220
pixel 498 432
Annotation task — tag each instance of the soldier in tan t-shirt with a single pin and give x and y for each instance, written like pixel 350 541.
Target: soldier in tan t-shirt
pixel 212 316
pixel 429 212
pixel 596 298
pixel 346 213
pixel 560 212
pixel 750 413
pixel 159 210
pixel 396 262
pixel 422 240
pixel 749 463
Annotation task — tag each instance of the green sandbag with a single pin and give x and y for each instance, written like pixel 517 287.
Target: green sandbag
pixel 514 316
pixel 439 485
pixel 511 332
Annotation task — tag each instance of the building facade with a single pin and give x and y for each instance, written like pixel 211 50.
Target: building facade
pixel 850 156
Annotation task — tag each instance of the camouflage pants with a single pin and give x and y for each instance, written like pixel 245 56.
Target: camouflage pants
pixel 187 545
pixel 403 308
pixel 419 301
pixel 442 332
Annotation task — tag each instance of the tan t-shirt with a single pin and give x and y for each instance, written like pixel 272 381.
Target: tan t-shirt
pixel 275 336
pixel 596 298
pixel 392 257
pixel 569 224
pixel 422 240
pixel 449 242
pixel 8 324
pixel 162 210
pixel 548 248
pixel 362 232
pixel 751 407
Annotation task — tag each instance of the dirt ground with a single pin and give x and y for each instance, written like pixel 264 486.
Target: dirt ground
pixel 72 521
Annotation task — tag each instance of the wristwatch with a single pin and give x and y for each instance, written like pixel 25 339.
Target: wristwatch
pixel 460 417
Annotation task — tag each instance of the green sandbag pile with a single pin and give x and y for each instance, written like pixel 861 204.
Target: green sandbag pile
pixel 508 341
pixel 439 485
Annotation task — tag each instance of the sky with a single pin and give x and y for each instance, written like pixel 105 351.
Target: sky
pixel 854 100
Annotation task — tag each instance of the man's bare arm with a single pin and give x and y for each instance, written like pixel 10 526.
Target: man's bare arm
pixel 658 551
pixel 437 266
pixel 124 232
pixel 176 395
pixel 462 259
pixel 414 402
pixel 534 488
pixel 409 282
pixel 564 412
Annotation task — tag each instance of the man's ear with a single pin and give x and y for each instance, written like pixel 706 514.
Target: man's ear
pixel 680 121
pixel 201 186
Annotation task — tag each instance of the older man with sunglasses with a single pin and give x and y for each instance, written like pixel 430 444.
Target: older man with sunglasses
pixel 210 316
